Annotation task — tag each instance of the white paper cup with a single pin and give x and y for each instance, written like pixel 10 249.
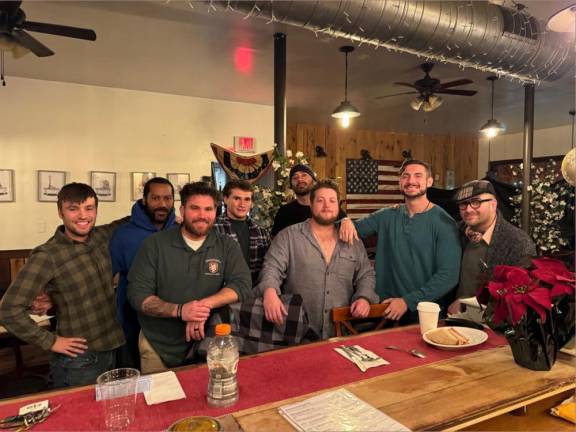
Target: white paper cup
pixel 118 397
pixel 428 316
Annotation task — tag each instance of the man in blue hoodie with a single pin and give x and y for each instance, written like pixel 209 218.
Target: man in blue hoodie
pixel 153 213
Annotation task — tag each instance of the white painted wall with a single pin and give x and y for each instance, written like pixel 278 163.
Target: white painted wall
pixel 547 142
pixel 78 128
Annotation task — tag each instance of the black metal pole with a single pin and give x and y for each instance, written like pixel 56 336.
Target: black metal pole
pixel 280 92
pixel 528 147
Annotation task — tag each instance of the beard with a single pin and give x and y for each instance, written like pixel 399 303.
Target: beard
pixel 325 221
pixel 414 195
pixel 302 190
pixel 197 232
pixel 155 216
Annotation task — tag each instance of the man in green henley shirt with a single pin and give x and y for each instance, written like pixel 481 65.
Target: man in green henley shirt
pixel 179 276
pixel 418 251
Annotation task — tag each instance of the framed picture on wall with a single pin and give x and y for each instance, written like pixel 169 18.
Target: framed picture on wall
pixel 178 180
pixel 104 184
pixel 139 179
pixel 49 184
pixel 6 185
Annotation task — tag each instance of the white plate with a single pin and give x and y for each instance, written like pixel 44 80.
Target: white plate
pixel 476 337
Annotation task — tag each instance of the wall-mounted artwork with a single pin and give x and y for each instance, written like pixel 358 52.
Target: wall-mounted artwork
pixel 104 184
pixel 49 184
pixel 178 180
pixel 6 185
pixel 139 179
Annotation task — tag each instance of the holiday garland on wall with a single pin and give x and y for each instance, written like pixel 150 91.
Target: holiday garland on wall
pixel 551 197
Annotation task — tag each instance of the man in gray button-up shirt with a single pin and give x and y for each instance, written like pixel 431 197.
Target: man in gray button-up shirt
pixel 308 259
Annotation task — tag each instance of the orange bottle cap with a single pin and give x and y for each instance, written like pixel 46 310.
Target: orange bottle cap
pixel 223 329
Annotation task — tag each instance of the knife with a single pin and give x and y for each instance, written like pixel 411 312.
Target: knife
pixel 353 358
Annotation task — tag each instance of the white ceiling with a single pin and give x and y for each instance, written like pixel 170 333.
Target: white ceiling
pixel 169 47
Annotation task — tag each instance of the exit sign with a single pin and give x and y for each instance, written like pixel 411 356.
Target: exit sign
pixel 244 144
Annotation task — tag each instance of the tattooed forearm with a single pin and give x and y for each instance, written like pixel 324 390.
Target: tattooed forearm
pixel 156 307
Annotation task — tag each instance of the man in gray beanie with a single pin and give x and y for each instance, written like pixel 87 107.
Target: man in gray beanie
pixel 302 178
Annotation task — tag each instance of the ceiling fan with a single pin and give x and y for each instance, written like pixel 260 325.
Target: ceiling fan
pixel 13 34
pixel 427 89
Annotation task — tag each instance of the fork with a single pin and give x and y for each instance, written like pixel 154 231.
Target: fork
pixel 413 351
pixel 356 352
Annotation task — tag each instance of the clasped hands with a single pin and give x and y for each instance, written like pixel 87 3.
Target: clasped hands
pixel 195 313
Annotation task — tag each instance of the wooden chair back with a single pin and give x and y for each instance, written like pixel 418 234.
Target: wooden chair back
pixel 11 262
pixel 341 317
pixel 16 265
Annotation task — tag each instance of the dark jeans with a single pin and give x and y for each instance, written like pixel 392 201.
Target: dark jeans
pixel 82 370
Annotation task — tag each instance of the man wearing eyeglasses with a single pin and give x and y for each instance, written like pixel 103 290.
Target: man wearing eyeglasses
pixel 488 239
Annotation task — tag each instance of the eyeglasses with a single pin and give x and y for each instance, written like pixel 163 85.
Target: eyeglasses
pixel 473 203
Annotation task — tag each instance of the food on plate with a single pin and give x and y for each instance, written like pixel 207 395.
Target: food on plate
pixel 195 424
pixel 447 336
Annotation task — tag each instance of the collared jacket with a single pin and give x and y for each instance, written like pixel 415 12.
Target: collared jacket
pixel 509 245
pixel 259 242
pixel 78 278
pixel 295 264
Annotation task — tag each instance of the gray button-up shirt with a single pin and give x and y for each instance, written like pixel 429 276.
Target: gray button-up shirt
pixel 294 264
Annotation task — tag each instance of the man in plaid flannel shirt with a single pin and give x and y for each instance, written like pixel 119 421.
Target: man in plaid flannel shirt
pixel 74 269
pixel 253 239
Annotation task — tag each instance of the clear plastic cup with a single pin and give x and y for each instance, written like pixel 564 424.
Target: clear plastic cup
pixel 118 397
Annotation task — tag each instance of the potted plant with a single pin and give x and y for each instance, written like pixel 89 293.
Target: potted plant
pixel 534 307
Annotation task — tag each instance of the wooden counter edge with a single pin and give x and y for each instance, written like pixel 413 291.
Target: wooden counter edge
pixel 506 408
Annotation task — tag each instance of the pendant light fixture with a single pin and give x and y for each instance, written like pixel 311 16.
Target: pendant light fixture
pixel 345 111
pixel 492 127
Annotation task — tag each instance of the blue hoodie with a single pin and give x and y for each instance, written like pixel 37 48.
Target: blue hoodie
pixel 124 246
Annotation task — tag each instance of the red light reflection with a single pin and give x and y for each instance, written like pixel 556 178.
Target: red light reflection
pixel 244 60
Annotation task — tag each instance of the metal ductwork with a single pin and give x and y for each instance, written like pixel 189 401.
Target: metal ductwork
pixel 476 34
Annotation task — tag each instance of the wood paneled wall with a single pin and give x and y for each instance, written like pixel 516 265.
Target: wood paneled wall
pixel 459 153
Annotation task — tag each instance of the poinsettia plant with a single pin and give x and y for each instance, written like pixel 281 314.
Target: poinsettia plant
pixel 514 290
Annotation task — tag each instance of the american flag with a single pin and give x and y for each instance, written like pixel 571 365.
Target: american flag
pixel 371 185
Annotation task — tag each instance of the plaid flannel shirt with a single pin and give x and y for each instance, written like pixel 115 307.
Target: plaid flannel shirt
pixel 78 278
pixel 253 332
pixel 259 242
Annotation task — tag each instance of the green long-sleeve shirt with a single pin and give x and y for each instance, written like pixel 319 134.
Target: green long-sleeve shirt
pixel 417 258
pixel 167 267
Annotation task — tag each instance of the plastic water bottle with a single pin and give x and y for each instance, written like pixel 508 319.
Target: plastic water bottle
pixel 222 366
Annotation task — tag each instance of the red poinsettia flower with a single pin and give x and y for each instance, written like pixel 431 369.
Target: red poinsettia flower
pixel 555 273
pixel 514 290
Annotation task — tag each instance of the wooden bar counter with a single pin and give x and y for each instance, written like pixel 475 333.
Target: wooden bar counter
pixel 443 392
pixel 449 395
